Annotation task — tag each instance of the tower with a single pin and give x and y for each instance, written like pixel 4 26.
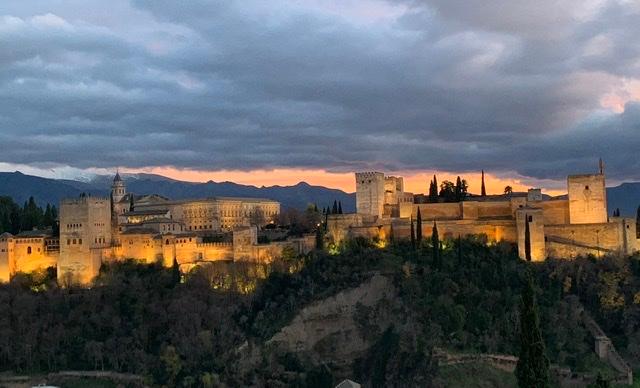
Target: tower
pixel 85 230
pixel 118 188
pixel 587 198
pixel 370 193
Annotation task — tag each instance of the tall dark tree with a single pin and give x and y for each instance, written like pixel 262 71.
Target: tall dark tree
pixel 315 207
pixel 419 228
pixel 433 190
pixel 483 190
pixel 339 207
pixel 132 204
pixel 527 239
pixel 319 239
pixel 459 249
pixel 335 207
pixel 458 189
pixel 413 233
pixel 435 246
pixel 532 370
pixel 175 272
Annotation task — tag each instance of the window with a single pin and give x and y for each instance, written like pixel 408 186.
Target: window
pixel 586 187
pixel 80 241
pixel 530 218
pixel 68 241
pixel 167 242
pixel 74 241
pixel 28 250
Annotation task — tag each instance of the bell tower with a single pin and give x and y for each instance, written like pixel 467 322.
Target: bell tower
pixel 118 188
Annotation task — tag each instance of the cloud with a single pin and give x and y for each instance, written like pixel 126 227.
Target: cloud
pixel 541 89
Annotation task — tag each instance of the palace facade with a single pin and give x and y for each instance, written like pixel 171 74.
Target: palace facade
pixel 150 228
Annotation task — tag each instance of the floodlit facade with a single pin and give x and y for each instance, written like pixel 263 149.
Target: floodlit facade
pixel 563 227
pixel 149 228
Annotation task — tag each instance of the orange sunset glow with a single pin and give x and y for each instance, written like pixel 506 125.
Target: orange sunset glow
pixel 416 182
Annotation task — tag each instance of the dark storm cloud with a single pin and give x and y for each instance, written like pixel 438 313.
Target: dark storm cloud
pixel 453 85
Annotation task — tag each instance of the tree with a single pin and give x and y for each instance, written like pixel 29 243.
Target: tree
pixel 319 239
pixel 435 246
pixel 419 228
pixel 532 370
pixel 508 190
pixel 527 239
pixel 339 207
pixel 483 191
pixel 335 207
pixel 175 272
pixel 616 213
pixel 413 233
pixel 448 191
pixel 433 190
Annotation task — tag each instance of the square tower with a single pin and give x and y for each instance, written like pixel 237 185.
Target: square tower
pixel 587 199
pixel 85 230
pixel 370 193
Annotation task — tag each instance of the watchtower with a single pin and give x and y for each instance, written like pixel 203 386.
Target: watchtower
pixel 370 193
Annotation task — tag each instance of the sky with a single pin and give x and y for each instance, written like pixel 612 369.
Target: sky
pixel 281 91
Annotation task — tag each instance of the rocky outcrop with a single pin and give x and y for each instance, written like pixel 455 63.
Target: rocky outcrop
pixel 330 331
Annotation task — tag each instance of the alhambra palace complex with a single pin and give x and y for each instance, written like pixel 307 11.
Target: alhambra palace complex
pixel 149 228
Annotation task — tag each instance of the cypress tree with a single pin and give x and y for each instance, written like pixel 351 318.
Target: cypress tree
pixel 433 190
pixel 532 369
pixel 458 191
pixel 335 207
pixel 175 272
pixel 315 207
pixel 413 235
pixel 527 239
pixel 319 239
pixel 435 246
pixel 483 191
pixel 339 207
pixel 419 228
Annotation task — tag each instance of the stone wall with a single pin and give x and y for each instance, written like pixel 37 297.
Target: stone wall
pixel 555 212
pixel 438 211
pixel 587 199
pixel 85 229
pixel 565 241
pixel 370 193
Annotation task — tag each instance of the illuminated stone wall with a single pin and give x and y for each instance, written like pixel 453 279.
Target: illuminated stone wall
pixel 587 199
pixel 370 193
pixel 85 230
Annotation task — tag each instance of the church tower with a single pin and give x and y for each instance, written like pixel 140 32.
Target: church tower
pixel 118 189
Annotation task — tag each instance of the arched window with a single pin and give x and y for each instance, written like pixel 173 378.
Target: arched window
pixel 167 242
pixel 28 250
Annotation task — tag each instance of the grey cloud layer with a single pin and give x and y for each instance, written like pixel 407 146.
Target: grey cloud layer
pixel 453 85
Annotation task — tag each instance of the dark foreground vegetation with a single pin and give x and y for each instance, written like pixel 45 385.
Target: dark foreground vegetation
pixel 145 320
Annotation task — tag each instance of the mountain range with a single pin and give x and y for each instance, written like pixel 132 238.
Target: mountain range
pixel 20 187
pixel 46 190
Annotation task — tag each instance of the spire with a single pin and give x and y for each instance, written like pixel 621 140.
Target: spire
pixel 483 191
pixel 601 165
pixel 117 177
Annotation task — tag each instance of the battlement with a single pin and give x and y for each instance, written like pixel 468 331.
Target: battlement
pixel 83 200
pixel 369 174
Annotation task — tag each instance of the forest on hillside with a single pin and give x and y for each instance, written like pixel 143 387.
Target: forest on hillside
pixel 186 330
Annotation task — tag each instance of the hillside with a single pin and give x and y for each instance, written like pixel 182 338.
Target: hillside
pixel 20 187
pixel 369 314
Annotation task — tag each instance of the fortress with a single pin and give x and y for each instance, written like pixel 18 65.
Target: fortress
pixel 149 228
pixel 152 228
pixel 563 227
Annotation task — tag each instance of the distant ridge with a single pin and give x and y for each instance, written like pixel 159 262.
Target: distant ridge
pixel 45 190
